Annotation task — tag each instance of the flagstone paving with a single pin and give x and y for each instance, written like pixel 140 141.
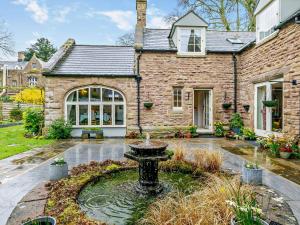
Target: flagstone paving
pixel 22 181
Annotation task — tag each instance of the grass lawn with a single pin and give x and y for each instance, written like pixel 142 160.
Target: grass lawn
pixel 12 141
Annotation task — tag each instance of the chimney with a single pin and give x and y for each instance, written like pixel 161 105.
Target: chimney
pixel 141 9
pixel 21 56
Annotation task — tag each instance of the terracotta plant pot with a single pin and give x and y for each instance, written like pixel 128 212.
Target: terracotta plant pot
pixel 44 220
pixel 285 155
pixel 233 222
pixel 252 176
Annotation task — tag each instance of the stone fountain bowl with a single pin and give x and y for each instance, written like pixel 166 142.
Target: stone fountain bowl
pixel 153 148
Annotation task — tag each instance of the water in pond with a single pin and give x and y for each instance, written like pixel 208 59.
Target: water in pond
pixel 114 200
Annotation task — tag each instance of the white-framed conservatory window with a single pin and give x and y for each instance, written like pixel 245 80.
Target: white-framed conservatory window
pixel 191 41
pixel 95 106
pixel 268 117
pixel 177 98
pixel 267 20
pixel 32 81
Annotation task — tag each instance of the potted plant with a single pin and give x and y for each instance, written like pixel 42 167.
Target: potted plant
pixel 248 134
pixel 236 123
pixel 285 152
pixel 219 129
pixel 43 220
pixel 58 169
pixel 270 103
pixel 230 135
pixel 193 130
pixel 252 174
pixel 226 105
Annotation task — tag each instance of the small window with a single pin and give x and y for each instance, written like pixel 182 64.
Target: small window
pixel 177 98
pixel 32 81
pixel 14 83
pixel 33 65
pixel 190 41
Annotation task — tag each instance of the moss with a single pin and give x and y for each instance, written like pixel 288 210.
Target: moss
pixel 176 166
pixel 112 167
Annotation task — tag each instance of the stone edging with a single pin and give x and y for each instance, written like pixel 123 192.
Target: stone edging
pixel 10 124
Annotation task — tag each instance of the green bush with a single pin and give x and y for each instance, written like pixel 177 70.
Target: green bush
pixel 5 99
pixel 33 119
pixel 236 121
pixel 60 129
pixel 248 133
pixel 16 114
pixel 219 129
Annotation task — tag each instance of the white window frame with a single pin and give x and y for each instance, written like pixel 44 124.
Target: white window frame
pixel 268 130
pixel 176 108
pixel 32 81
pixel 98 103
pixel 203 41
pixel 260 19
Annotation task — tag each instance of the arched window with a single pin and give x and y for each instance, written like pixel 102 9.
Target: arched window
pixel 95 106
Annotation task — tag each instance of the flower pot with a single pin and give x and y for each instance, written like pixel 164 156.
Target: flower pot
pixel 271 103
pixel 233 221
pixel 99 134
pixel 285 155
pixel 58 171
pixel 252 176
pixel 226 105
pixel 148 105
pixel 246 107
pixel 45 220
pixel 236 130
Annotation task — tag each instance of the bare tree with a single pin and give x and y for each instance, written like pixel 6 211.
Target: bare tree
pixel 6 41
pixel 126 40
pixel 222 14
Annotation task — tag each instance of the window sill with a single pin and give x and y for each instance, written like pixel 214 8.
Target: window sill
pixel 190 55
pixel 177 111
pixel 267 39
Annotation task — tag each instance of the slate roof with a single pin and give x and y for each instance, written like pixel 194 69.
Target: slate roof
pixel 216 41
pixel 98 60
pixel 11 65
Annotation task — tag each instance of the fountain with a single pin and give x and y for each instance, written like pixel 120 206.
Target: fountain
pixel 148 154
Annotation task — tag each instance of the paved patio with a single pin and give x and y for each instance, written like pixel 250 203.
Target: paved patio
pixel 12 190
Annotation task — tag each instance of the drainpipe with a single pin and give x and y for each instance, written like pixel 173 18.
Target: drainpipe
pixel 234 59
pixel 5 70
pixel 138 82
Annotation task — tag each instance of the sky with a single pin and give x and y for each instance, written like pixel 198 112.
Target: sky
pixel 87 21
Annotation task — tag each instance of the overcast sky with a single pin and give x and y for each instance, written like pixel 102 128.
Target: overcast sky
pixel 87 21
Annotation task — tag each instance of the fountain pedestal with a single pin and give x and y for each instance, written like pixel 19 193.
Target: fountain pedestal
pixel 148 155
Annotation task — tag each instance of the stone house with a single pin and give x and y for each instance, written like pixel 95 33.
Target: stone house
pixel 16 75
pixel 187 72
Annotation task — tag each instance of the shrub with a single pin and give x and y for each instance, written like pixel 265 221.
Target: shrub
pixel 248 133
pixel 5 99
pixel 16 114
pixel 236 121
pixel 33 119
pixel 60 129
pixel 193 129
pixel 31 95
pixel 179 153
pixel 219 129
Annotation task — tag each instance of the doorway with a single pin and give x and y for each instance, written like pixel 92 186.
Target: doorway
pixel 203 110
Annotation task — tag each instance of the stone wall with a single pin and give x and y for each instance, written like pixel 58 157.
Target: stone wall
pixel 163 71
pixel 279 57
pixel 6 107
pixel 58 87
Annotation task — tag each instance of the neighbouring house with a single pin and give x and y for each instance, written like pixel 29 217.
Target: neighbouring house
pixel 17 75
pixel 188 72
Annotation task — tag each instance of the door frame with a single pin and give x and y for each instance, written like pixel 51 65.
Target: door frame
pixel 268 85
pixel 210 90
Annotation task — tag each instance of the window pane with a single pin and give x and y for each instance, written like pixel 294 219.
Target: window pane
pixel 118 97
pixel 72 97
pixel 261 109
pixel 71 114
pixel 107 95
pixel 119 115
pixel 107 115
pixel 83 95
pixel 95 94
pixel 177 97
pixel 83 115
pixel 277 111
pixel 190 40
pixel 95 115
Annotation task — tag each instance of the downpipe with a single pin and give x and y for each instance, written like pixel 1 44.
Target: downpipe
pixel 234 59
pixel 138 82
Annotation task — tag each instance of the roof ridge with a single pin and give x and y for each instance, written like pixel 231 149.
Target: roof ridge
pixel 224 31
pixel 121 46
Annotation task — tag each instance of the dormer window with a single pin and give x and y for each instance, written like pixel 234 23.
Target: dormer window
pixel 191 41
